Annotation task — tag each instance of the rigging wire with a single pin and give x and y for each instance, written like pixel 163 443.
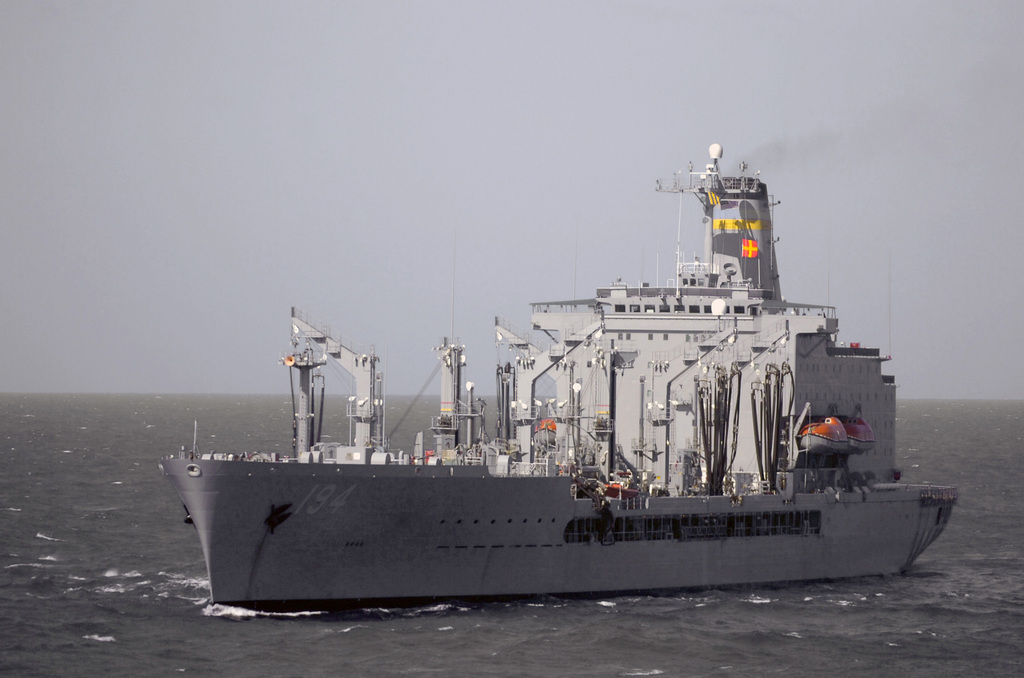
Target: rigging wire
pixel 423 388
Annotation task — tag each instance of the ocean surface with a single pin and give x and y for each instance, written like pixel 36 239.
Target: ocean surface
pixel 99 575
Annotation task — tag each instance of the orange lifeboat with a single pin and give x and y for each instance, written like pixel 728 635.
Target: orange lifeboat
pixel 545 425
pixel 544 432
pixel 859 434
pixel 827 436
pixel 617 491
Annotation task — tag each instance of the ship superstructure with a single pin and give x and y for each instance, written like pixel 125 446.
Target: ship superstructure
pixel 707 378
pixel 696 432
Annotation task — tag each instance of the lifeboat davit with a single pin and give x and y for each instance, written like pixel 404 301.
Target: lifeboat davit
pixel 859 434
pixel 827 436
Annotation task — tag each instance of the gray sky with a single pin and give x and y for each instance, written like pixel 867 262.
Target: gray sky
pixel 175 175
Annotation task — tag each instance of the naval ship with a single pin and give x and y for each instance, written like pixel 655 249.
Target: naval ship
pixel 703 432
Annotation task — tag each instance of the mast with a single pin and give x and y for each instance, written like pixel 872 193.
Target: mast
pixel 739 251
pixel 446 425
pixel 305 362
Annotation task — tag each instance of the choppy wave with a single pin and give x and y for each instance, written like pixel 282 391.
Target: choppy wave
pixel 17 565
pixel 100 639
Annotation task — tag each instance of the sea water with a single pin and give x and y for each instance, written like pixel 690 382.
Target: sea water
pixel 99 575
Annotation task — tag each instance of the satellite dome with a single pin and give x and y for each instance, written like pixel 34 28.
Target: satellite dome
pixel 715 151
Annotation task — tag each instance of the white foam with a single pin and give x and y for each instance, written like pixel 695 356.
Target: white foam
pixel 189 582
pixel 228 612
pixel 606 603
pixel 241 613
pixel 40 535
pixel 757 601
pixel 100 639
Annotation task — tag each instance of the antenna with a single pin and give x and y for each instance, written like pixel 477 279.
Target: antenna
pixel 679 235
pixel 889 320
pixel 576 256
pixel 828 263
pixel 455 236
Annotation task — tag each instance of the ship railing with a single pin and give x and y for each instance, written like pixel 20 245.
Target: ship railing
pixel 626 346
pixel 685 350
pixel 706 179
pixel 473 457
pixel 519 335
pixel 696 268
pixel 328 333
pixel 529 468
pixel 446 423
pixel 525 416
pixel 792 308
pixel 577 332
pixel 742 183
pixel 631 504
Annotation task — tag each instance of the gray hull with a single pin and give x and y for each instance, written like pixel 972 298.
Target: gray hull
pixel 353 536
